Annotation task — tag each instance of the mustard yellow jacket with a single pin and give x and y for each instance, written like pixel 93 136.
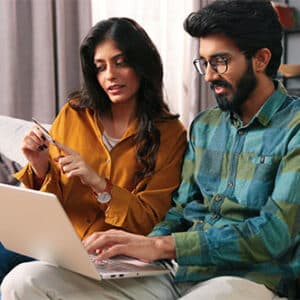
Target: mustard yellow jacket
pixel 134 208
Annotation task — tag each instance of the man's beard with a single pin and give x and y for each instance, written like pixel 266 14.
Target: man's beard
pixel 245 87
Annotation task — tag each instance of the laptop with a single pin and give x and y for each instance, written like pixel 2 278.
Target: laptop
pixel 35 224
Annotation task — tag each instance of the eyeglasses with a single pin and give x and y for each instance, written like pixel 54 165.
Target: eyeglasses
pixel 218 63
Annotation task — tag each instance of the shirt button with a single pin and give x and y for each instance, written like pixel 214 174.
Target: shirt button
pixel 218 198
pixel 230 184
pixel 107 160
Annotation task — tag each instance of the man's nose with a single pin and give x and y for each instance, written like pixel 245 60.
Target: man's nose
pixel 210 74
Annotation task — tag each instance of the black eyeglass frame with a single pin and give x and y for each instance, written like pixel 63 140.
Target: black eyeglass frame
pixel 225 61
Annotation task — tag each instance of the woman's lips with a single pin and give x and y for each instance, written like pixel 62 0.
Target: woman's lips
pixel 115 89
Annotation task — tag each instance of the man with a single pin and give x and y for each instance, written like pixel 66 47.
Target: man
pixel 234 228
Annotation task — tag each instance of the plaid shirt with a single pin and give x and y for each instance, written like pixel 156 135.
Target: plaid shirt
pixel 237 209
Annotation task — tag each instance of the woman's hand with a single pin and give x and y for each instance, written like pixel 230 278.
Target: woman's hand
pixel 72 164
pixel 36 150
pixel 113 242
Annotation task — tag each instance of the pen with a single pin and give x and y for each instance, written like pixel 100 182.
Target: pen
pixel 44 131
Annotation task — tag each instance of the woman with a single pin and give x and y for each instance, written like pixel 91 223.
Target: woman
pixel 118 150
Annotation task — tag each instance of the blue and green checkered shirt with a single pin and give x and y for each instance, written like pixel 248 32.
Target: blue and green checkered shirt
pixel 237 209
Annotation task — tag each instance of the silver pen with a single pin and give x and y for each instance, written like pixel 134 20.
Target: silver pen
pixel 44 131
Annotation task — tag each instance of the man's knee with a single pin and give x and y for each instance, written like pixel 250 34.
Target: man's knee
pixel 228 287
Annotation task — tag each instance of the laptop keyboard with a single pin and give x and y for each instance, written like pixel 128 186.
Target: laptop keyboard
pixel 119 265
pixel 109 265
pixel 103 262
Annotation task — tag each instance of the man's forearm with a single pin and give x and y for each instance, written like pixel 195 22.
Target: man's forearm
pixel 164 247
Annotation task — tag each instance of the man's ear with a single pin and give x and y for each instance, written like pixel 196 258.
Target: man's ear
pixel 261 59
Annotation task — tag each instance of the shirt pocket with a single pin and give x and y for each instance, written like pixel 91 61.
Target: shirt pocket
pixel 265 167
pixel 262 160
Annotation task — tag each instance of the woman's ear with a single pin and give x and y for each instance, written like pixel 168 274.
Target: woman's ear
pixel 261 59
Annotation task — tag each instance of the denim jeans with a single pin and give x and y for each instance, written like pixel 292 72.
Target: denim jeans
pixel 8 260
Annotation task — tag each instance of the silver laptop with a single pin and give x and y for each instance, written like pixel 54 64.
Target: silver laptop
pixel 35 224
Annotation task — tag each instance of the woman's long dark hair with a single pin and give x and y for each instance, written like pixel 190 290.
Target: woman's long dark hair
pixel 141 54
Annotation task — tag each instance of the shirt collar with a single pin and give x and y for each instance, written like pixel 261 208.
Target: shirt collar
pixel 272 105
pixel 268 109
pixel 130 131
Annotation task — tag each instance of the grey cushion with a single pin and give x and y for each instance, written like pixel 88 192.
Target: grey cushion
pixel 7 168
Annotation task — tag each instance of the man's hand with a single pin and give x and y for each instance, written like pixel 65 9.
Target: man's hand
pixel 117 242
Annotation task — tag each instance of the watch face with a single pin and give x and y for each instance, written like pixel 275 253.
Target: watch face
pixel 104 197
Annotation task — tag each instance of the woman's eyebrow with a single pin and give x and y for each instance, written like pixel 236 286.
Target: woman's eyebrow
pixel 112 58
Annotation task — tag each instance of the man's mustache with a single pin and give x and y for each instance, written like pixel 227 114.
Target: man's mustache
pixel 220 83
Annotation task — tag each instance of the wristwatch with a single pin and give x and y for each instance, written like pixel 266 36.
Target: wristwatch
pixel 105 195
